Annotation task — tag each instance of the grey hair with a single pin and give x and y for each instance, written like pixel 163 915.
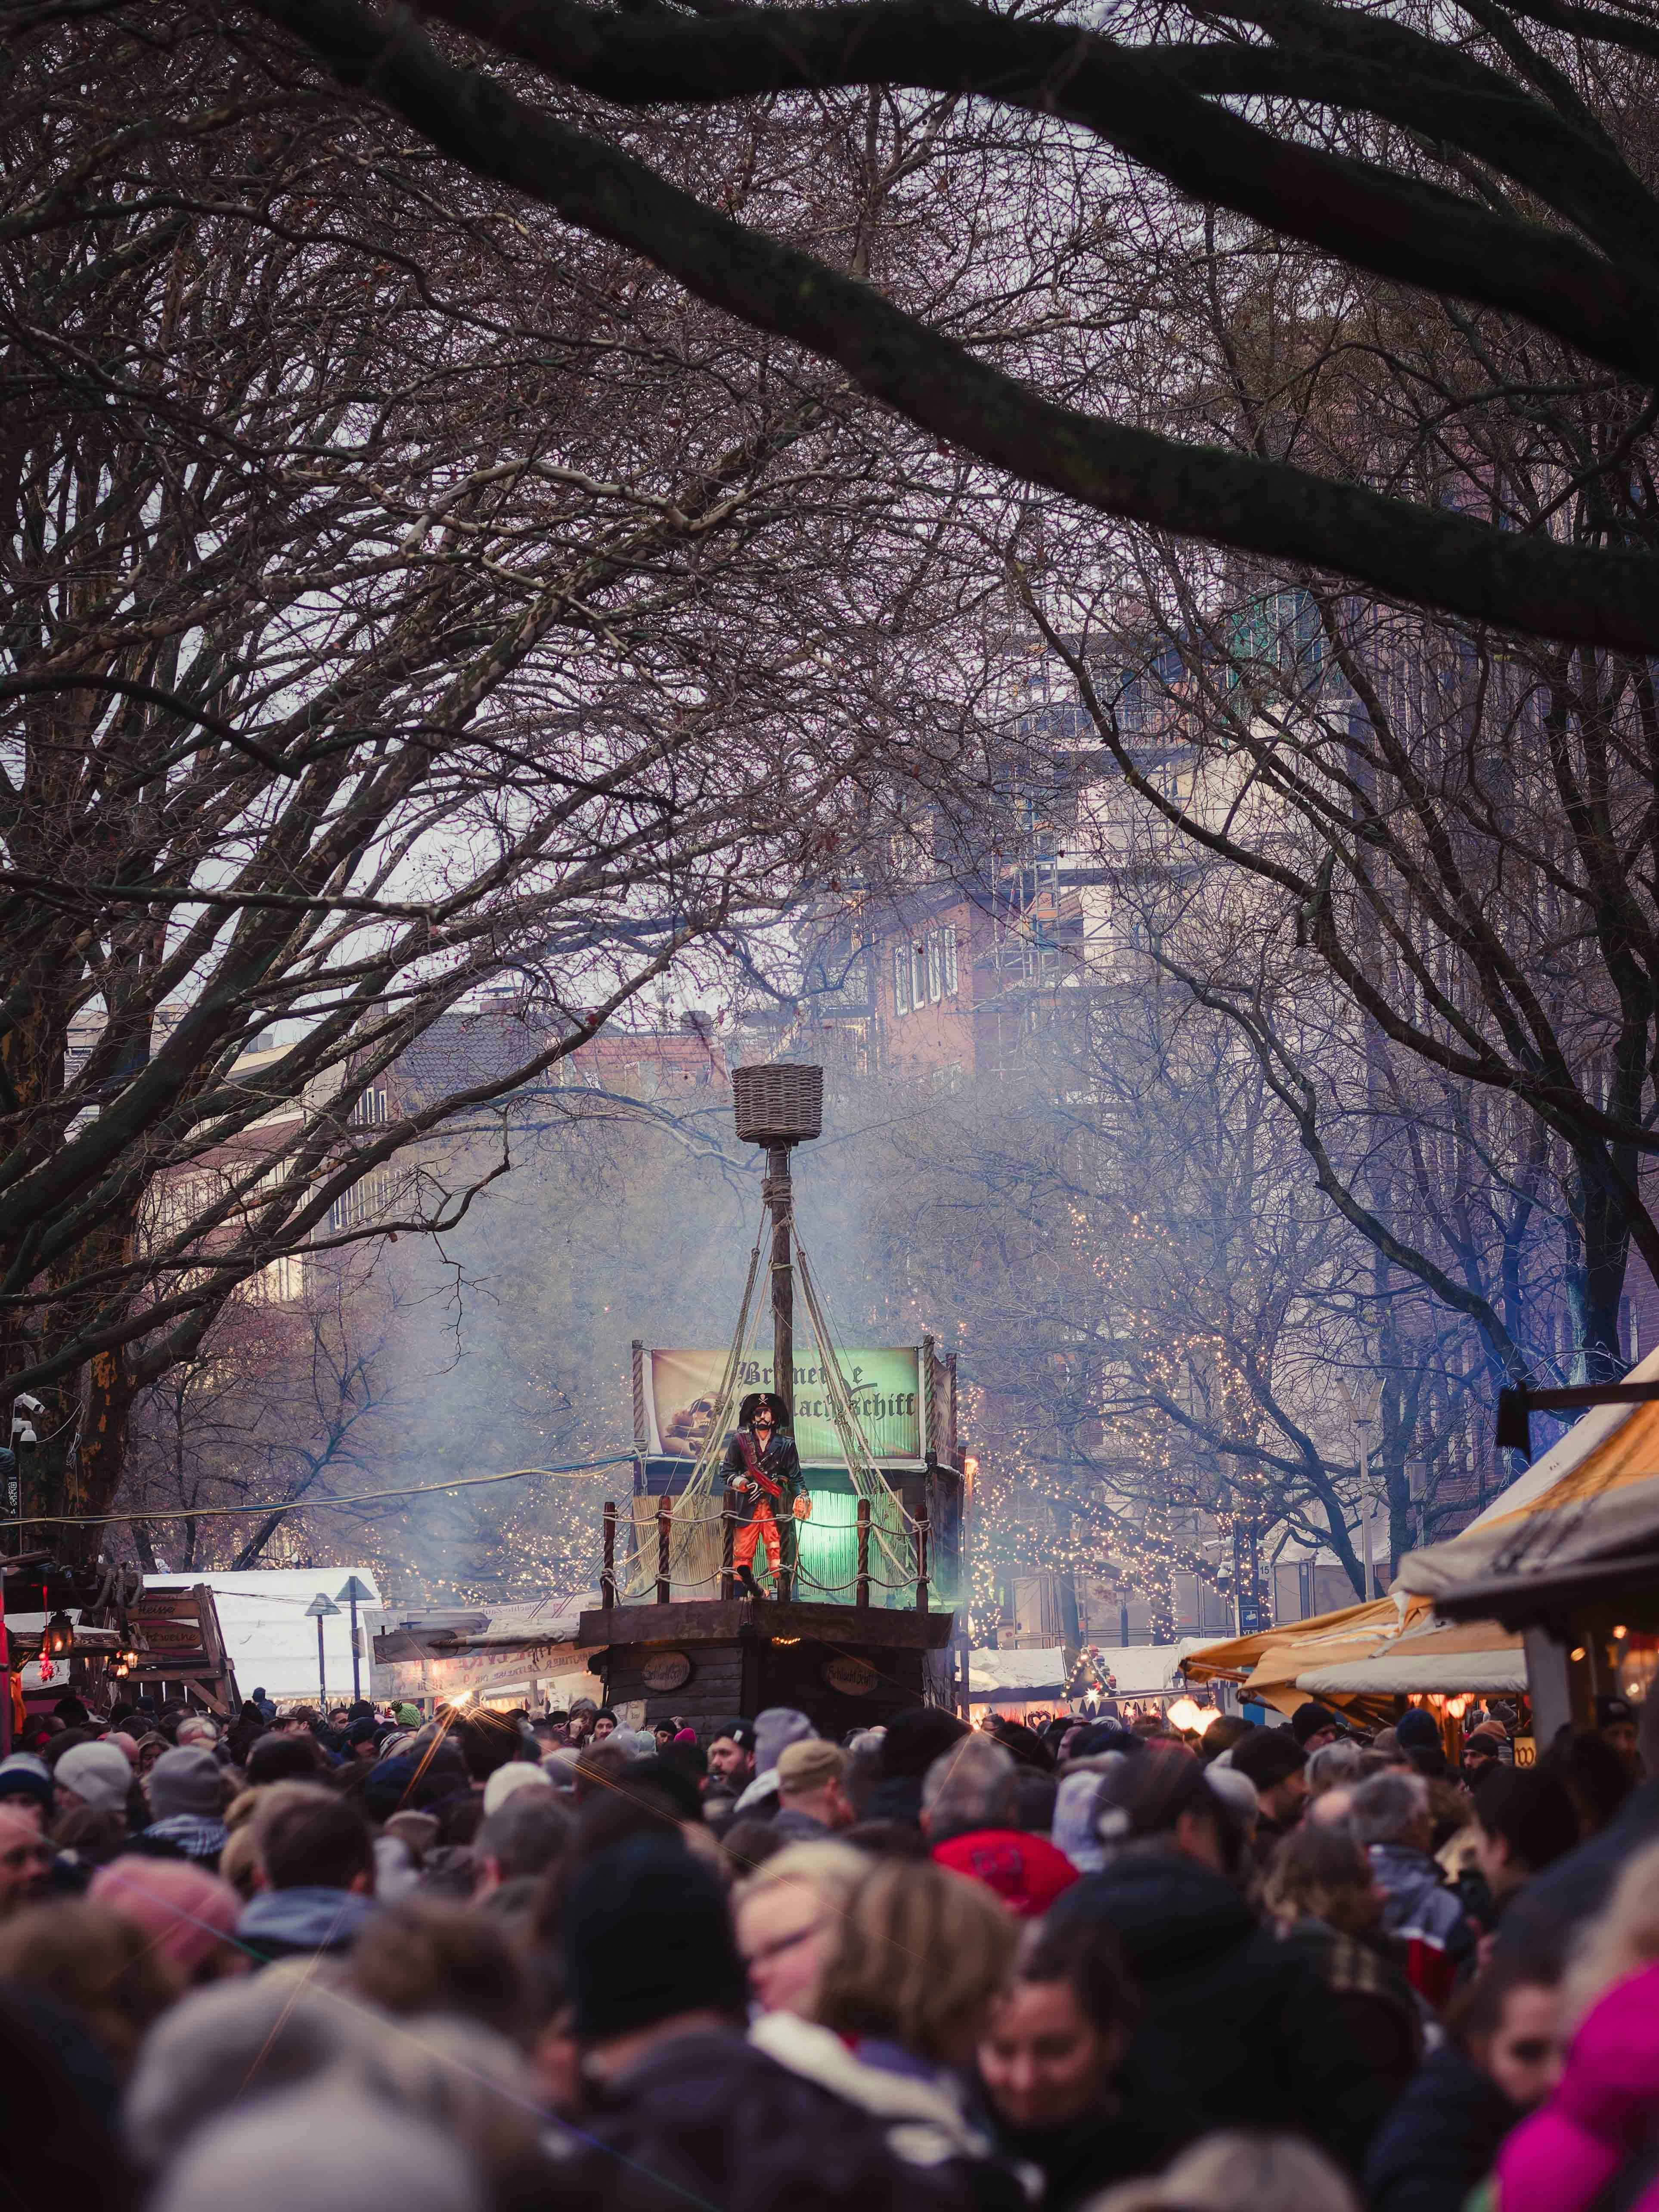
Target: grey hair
pixel 1332 1765
pixel 970 1786
pixel 1388 1807
pixel 259 2033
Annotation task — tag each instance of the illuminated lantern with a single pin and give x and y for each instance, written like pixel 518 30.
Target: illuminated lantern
pixel 1188 1713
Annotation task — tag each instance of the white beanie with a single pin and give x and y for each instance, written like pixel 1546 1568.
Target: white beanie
pixel 98 1773
pixel 507 1780
pixel 1236 1791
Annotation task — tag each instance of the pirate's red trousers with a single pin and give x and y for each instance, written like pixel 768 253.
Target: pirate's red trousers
pixel 759 1529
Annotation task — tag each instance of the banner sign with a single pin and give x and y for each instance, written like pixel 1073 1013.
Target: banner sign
pixel 884 1386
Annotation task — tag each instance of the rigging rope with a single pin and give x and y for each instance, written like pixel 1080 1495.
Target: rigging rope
pixel 893 1528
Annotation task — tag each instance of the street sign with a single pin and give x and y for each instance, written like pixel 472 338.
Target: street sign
pixel 357 1592
pixel 173 1637
pixel 318 1610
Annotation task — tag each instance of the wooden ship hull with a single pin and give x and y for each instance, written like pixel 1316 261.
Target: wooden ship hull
pixel 706 1661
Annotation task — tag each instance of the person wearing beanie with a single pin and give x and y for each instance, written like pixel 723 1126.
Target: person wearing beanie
pixel 1275 1764
pixel 328 2146
pixel 1313 1724
pixel 407 1716
pixel 778 1726
pixel 186 1803
pixel 810 1802
pixel 1238 1793
pixel 1615 1723
pixel 363 1739
pixel 507 1781
pixel 24 1777
pixel 731 1756
pixel 188 1915
pixel 1417 1732
pixel 95 1774
pixel 671 2086
pixel 913 1739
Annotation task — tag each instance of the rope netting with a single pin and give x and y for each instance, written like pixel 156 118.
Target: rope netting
pixel 826 1542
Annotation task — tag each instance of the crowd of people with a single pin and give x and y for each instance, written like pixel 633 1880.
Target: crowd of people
pixel 485 1962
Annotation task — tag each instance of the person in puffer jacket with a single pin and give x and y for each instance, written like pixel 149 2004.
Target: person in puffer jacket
pixel 1599 2131
pixel 1602 2120
pixel 1390 1816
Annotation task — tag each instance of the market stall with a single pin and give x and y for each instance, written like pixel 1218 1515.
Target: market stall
pixel 1365 1659
pixel 1142 1678
pixel 1266 1667
pixel 1568 1558
pixel 507 1656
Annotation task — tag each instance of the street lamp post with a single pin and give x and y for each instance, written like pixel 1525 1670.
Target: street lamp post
pixel 318 1610
pixel 1362 1424
pixel 354 1595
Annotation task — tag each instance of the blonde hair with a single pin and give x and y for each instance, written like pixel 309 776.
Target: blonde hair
pixel 833 1870
pixel 1233 2172
pixel 1622 1938
pixel 921 1949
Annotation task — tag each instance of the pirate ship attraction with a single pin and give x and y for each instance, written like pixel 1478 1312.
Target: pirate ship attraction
pixel 859 1621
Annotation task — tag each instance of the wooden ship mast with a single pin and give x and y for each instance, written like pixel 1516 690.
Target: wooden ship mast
pixel 674 1633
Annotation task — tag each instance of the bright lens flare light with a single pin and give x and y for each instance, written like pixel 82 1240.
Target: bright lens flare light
pixel 1188 1713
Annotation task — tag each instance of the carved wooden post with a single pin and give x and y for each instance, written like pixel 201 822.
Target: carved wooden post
pixel 608 1572
pixel 922 1559
pixel 862 1595
pixel 665 1525
pixel 728 1543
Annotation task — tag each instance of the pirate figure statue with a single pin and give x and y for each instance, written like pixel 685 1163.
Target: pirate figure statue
pixel 765 1492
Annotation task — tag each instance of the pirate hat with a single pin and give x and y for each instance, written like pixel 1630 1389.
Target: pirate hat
pixel 773 1405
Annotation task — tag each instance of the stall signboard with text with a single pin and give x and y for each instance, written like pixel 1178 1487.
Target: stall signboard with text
pixel 681 1388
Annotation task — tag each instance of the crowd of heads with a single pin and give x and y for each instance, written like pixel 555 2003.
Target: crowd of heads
pixel 468 1961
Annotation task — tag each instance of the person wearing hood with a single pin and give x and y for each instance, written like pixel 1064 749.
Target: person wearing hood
pixel 314 1862
pixel 1237 2029
pixel 913 1739
pixel 774 1728
pixel 969 1815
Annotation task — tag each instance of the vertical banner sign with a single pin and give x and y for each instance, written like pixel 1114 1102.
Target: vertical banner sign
pixel 884 1385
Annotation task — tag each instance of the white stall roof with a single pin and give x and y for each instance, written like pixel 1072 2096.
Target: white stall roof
pixel 1142 1670
pixel 271 1643
pixel 1016 1674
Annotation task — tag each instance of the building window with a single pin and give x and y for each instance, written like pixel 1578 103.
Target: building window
pixel 935 967
pixel 951 983
pixel 918 975
pixel 901 979
pixel 370 1195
